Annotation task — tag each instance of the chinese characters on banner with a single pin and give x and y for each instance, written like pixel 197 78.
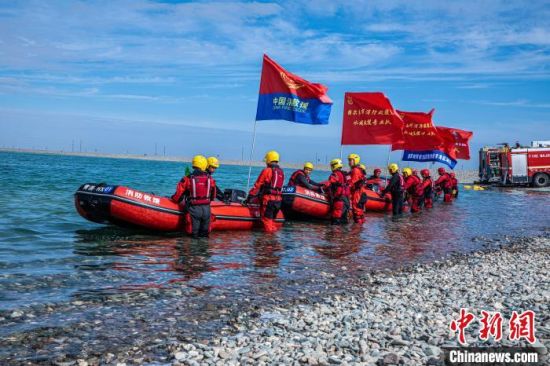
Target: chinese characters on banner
pixel 287 96
pixel 370 119
pixel 419 133
pixel 519 326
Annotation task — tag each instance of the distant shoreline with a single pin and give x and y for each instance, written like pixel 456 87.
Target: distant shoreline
pixel 464 176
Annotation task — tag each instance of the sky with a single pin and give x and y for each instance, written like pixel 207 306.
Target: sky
pixel 129 76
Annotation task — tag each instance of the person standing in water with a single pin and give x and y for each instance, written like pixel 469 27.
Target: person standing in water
pixel 269 191
pixel 196 190
pixel 395 187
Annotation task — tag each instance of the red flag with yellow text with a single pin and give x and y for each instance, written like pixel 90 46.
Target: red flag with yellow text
pixel 456 142
pixel 419 132
pixel 370 119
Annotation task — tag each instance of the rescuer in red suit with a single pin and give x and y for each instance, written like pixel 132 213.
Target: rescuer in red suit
pixel 410 186
pixel 338 190
pixel 268 189
pixel 301 178
pixel 356 181
pixel 454 188
pixel 376 180
pixel 425 189
pixel 197 189
pixel 444 184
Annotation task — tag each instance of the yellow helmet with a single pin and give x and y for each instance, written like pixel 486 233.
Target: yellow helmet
pixel 271 156
pixel 407 172
pixel 199 162
pixel 213 162
pixel 355 157
pixel 362 166
pixel 393 168
pixel 308 165
pixel 335 164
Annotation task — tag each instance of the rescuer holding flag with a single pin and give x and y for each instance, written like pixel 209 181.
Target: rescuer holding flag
pixel 356 181
pixel 301 178
pixel 395 187
pixel 268 188
pixel 198 189
pixel 338 190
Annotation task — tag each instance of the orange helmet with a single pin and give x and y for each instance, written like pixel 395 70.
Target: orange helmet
pixel 441 171
pixel 425 173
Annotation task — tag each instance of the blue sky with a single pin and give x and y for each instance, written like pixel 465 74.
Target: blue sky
pixel 124 75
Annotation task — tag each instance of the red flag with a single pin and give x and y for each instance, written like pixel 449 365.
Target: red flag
pixel 286 96
pixel 369 119
pixel 456 142
pixel 419 132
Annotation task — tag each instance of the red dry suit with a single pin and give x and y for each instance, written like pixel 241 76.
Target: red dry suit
pixel 425 192
pixel 338 190
pixel 410 188
pixel 198 189
pixel 445 184
pixel 356 182
pixel 268 187
pixel 301 179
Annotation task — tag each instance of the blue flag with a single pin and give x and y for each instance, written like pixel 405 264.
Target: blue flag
pixel 429 155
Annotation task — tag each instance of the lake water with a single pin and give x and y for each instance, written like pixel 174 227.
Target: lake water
pixel 50 255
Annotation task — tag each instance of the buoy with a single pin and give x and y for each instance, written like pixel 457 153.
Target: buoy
pixel 467 187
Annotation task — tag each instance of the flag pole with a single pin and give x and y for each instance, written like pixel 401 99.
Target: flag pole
pixel 251 154
pixel 341 151
pixel 387 164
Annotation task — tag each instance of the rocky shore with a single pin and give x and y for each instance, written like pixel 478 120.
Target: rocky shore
pixel 398 316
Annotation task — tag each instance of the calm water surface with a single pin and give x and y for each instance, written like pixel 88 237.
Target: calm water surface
pixel 49 254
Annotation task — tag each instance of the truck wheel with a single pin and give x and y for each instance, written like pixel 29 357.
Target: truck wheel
pixel 541 180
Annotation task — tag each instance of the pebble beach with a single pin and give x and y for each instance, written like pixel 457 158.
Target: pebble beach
pixel 386 317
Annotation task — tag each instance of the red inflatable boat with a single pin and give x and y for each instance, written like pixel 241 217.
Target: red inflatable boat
pixel 300 202
pixel 129 207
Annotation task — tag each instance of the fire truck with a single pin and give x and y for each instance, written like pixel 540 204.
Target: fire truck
pixel 516 166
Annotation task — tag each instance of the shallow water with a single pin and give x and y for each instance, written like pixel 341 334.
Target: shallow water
pixel 49 254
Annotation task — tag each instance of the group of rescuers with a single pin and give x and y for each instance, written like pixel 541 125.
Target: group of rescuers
pixel 344 189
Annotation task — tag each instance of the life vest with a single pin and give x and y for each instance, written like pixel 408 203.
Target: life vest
pixel 201 187
pixel 340 188
pixel 360 183
pixel 294 177
pixel 275 187
pixel 416 181
pixel 447 183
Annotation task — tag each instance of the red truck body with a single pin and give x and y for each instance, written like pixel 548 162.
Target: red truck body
pixel 515 166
